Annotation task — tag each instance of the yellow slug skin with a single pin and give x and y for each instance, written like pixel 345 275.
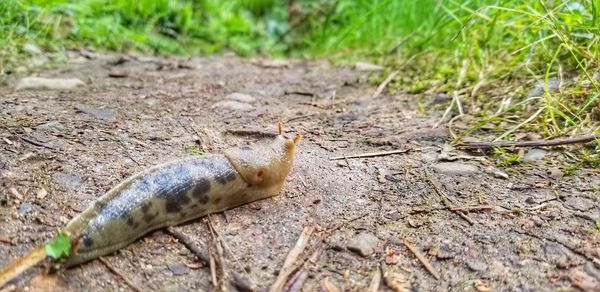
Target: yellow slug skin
pixel 179 191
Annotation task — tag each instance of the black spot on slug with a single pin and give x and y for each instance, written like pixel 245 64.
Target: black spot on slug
pixel 146 207
pixel 99 206
pixel 130 221
pixel 201 190
pixel 182 214
pixel 88 241
pixel 217 200
pixel 149 217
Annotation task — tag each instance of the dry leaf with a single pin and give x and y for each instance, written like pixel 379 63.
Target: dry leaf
pixel 397 282
pixel 327 286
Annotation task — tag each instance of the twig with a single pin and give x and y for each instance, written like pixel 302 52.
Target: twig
pixel 422 259
pixel 595 261
pixel 5 240
pixel 299 117
pixel 375 281
pixel 118 273
pixel 435 184
pixel 554 142
pixel 345 223
pixel 23 263
pixel 384 84
pixel 213 269
pixel 304 93
pixel 374 154
pixel 219 249
pixel 32 142
pixel 473 208
pixel 288 266
pixel 250 132
pixel 189 244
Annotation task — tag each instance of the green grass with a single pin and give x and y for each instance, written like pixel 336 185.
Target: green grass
pixel 491 51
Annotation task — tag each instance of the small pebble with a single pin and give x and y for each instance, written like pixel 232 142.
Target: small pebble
pixel 48 83
pixel 244 98
pixel 178 269
pixel 235 106
pixel 363 244
pixel 534 154
pixel 455 168
pixel 364 66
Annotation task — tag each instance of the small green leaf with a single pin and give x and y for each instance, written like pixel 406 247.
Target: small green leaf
pixel 195 150
pixel 598 225
pixel 58 247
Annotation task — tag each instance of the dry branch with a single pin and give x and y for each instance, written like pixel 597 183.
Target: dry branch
pixel 554 142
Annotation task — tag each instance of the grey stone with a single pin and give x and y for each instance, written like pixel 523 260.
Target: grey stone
pixel 231 105
pixel 535 154
pixel 99 113
pixel 455 168
pixel 363 244
pixel 243 98
pixel 579 203
pixel 25 208
pixel 364 66
pixel 477 266
pixel 178 269
pixel 48 83
pixel 31 49
pixel 50 126
pixel 68 180
pixel 538 88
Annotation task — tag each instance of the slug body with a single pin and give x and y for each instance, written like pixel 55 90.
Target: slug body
pixel 179 191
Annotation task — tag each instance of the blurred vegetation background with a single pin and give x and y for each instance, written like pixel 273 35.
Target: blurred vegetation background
pixel 490 53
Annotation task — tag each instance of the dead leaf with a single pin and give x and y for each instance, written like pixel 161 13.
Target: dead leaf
pixel 397 282
pixel 583 281
pixel 41 193
pixel 482 286
pixel 327 286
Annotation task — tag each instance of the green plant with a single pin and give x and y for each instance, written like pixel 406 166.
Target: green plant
pixel 59 246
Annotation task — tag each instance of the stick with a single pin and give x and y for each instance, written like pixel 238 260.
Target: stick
pixel 189 244
pixel 36 143
pixel 376 281
pixel 472 208
pixel 373 154
pixel 288 266
pixel 250 132
pixel 422 259
pixel 116 272
pixel 435 184
pixel 21 264
pixel 554 142
pixel 384 84
pixel 595 261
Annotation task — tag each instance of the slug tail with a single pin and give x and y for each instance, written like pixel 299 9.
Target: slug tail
pixel 22 264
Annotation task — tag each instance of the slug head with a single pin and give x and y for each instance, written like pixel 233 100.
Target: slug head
pixel 265 165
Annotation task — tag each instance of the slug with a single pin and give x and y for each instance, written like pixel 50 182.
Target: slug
pixel 170 194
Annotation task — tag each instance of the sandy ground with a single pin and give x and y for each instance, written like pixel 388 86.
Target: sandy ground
pixel 532 227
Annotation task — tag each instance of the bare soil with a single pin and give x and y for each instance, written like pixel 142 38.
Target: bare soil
pixel 534 228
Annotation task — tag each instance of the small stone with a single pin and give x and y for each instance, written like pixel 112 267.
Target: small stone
pixel 235 106
pixel 477 266
pixel 245 98
pixel 364 66
pixel 178 269
pixel 579 203
pixel 99 113
pixel 444 252
pixel 555 172
pixel 25 208
pixel 68 180
pixel 41 193
pixel 50 126
pixel 48 83
pixel 456 168
pixel 32 49
pixel 535 154
pixel 538 89
pixel 363 244
pixel 496 172
pixel 116 73
pixel 274 63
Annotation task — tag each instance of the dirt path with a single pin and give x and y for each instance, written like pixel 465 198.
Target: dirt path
pixel 535 231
